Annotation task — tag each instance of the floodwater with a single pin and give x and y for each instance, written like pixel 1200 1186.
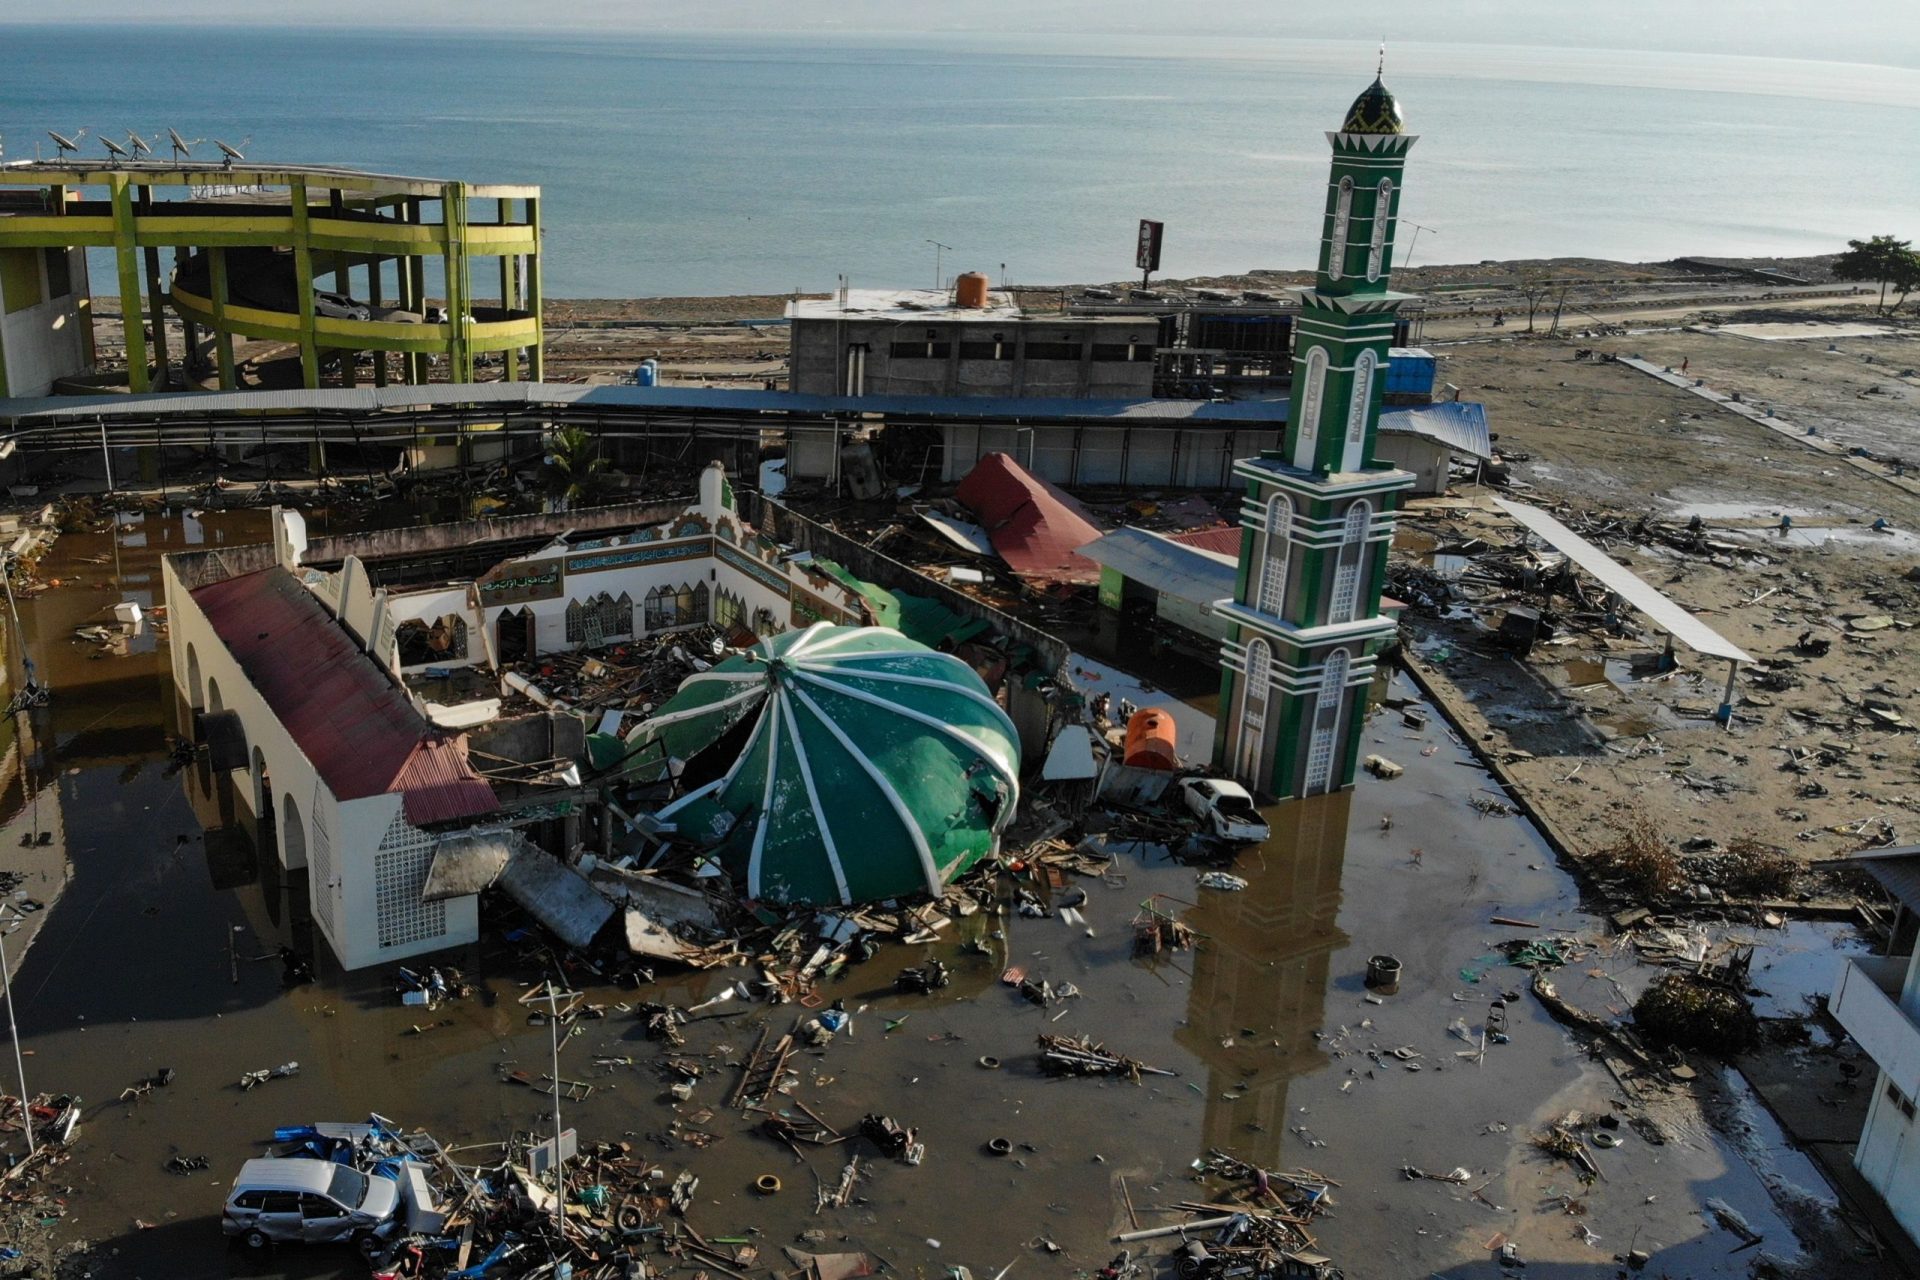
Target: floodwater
pixel 163 952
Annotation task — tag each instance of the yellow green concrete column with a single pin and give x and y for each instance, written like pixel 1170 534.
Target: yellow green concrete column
pixel 222 338
pixel 127 264
pixel 509 290
pixel 303 288
pixel 453 241
pixel 537 356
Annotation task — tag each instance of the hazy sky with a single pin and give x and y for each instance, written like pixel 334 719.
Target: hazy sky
pixel 1872 31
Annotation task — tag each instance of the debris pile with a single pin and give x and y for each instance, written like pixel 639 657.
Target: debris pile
pixel 1697 1013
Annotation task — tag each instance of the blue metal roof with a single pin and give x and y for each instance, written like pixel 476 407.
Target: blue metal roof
pixel 683 399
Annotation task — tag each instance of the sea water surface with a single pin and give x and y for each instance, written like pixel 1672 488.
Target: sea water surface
pixel 682 164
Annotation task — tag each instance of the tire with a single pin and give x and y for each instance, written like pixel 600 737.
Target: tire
pixel 256 1239
pixel 370 1246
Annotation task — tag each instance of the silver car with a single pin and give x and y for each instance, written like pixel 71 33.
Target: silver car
pixel 315 1201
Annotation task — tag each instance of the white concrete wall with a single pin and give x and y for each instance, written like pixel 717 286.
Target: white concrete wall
pixel 45 342
pixel 1888 1157
pixel 1141 454
pixel 341 842
pixel 1427 459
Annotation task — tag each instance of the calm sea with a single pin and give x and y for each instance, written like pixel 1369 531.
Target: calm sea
pixel 706 165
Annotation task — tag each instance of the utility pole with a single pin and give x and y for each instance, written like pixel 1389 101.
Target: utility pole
pixel 13 1027
pixel 559 1174
pixel 938 249
pixel 1415 242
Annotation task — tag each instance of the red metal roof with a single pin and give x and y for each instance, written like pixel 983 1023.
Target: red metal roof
pixel 1034 526
pixel 1222 540
pixel 346 715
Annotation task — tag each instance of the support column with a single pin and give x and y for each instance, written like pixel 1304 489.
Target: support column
pixel 156 298
pixel 127 266
pixel 222 339
pixel 537 356
pixel 303 288
pixel 375 300
pixel 453 256
pixel 417 272
pixel 509 292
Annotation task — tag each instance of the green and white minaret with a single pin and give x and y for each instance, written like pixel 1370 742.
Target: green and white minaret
pixel 1305 623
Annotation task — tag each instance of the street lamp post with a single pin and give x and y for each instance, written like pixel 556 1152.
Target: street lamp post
pixel 13 1028
pixel 938 249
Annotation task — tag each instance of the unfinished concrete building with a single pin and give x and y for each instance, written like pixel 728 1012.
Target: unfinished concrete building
pixel 971 342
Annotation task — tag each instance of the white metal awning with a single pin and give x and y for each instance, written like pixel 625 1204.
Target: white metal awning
pixel 1617 578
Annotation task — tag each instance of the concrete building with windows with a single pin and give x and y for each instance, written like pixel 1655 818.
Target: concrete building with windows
pixel 969 342
pixel 1877 1000
pixel 1305 624
pixel 336 263
pixel 353 683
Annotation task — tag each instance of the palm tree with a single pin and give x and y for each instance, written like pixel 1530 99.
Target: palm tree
pixel 574 469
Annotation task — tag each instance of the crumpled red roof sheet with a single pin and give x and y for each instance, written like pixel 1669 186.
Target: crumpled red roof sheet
pixel 1223 540
pixel 347 716
pixel 1034 526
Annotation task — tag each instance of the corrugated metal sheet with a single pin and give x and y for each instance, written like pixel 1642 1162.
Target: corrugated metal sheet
pixel 1224 541
pixel 1663 612
pixel 1193 574
pixel 1462 427
pixel 347 717
pixel 1036 528
pixel 1897 869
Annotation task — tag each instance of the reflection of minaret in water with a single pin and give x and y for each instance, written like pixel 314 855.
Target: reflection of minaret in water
pixel 1261 966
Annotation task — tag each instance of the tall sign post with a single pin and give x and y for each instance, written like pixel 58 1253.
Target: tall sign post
pixel 1147 255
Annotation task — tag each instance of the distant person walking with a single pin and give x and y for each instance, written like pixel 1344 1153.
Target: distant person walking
pixel 1685 363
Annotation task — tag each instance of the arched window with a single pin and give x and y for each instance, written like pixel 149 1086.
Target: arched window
pixel 1353 551
pixel 699 613
pixel 1310 397
pixel 1272 590
pixel 1342 219
pixel 1253 708
pixel 1326 722
pixel 1363 367
pixel 1382 208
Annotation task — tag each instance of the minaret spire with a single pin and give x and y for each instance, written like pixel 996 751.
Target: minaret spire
pixel 1380 72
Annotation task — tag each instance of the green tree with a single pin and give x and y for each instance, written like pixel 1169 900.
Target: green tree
pixel 574 469
pixel 1878 260
pixel 1905 278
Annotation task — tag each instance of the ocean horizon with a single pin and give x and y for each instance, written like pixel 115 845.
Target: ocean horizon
pixel 754 163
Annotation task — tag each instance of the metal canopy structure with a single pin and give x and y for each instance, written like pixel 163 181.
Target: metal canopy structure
pixel 1623 582
pixel 1189 573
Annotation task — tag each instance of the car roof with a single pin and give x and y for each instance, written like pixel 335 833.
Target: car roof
pixel 295 1173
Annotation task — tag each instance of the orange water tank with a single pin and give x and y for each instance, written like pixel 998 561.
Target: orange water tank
pixel 970 289
pixel 1151 739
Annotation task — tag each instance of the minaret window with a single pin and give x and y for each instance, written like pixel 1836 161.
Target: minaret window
pixel 1310 408
pixel 1353 550
pixel 1382 206
pixel 1357 411
pixel 1272 592
pixel 1253 712
pixel 1342 219
pixel 1326 721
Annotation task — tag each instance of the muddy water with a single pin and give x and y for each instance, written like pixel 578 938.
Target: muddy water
pixel 163 953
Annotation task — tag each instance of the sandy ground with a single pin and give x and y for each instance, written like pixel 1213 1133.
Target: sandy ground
pixel 1603 438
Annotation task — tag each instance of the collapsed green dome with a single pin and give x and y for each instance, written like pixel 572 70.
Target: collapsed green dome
pixel 839 765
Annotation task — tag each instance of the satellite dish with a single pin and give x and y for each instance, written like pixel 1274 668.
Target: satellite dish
pixel 64 143
pixel 141 147
pixel 114 149
pixel 232 153
pixel 182 149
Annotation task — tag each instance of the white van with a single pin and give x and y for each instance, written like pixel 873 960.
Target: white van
pixel 315 1201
